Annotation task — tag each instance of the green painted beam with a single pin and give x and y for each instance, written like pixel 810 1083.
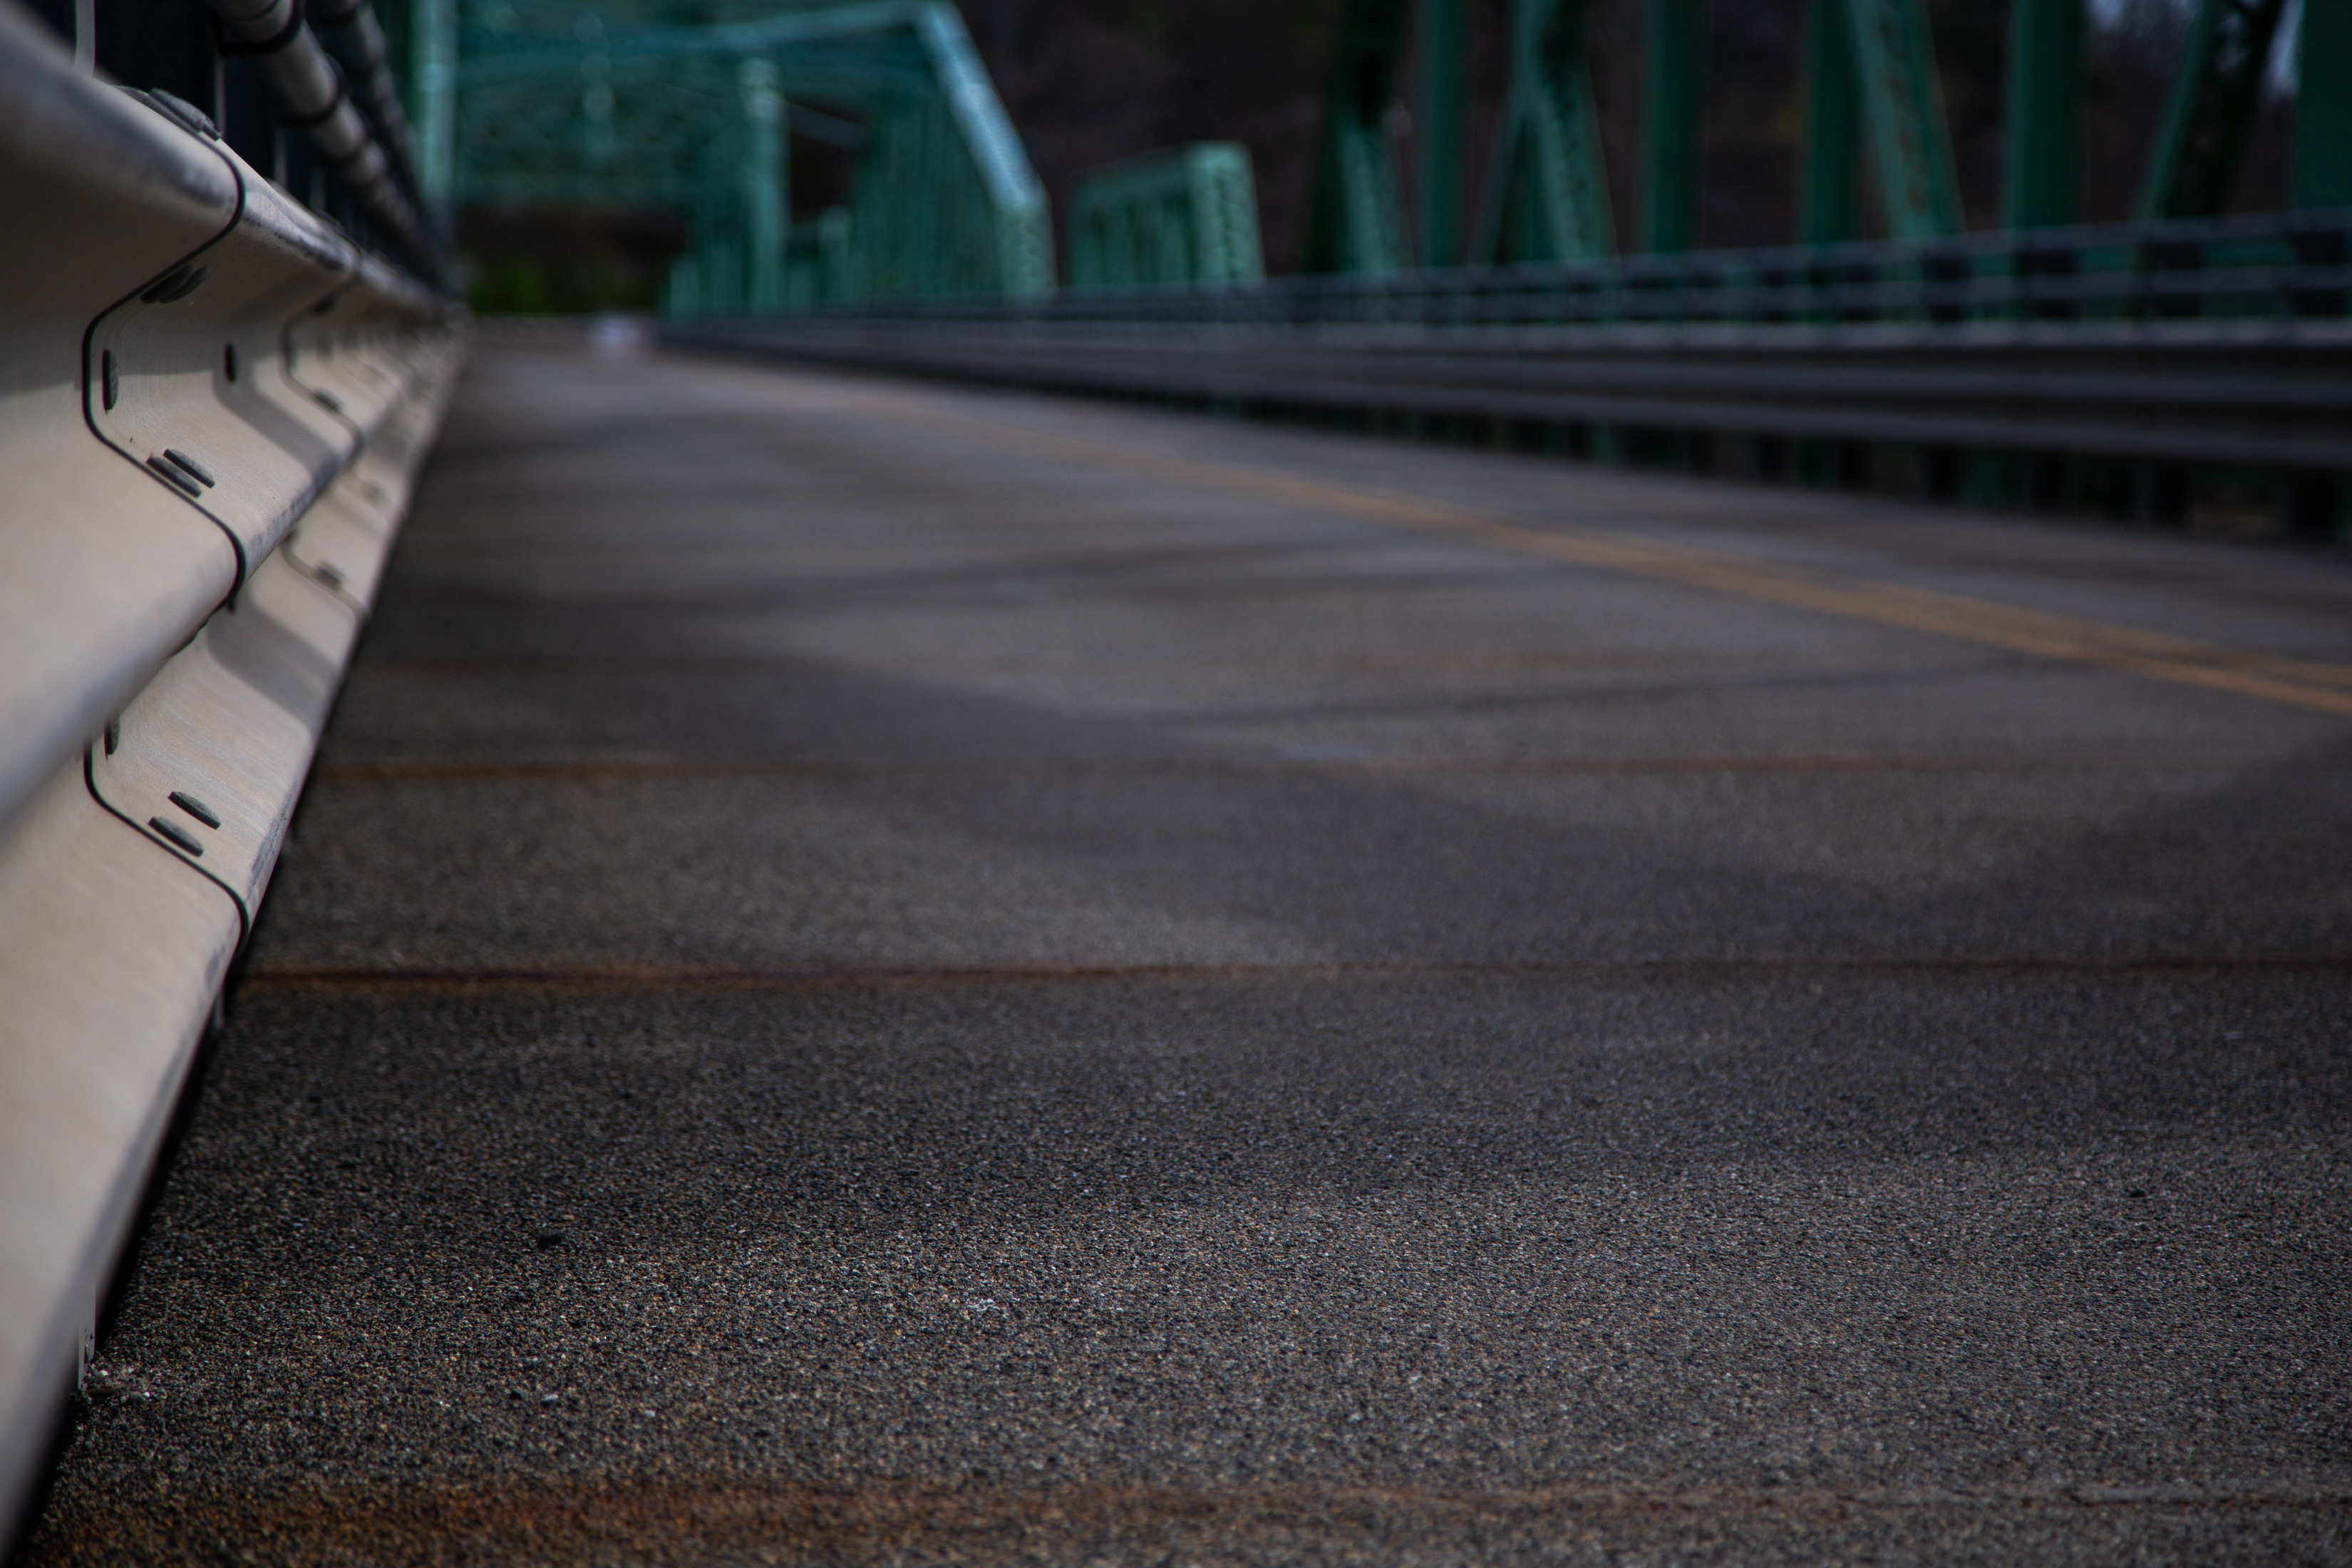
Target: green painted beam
pixel 817 261
pixel 1870 86
pixel 2322 167
pixel 433 40
pixel 2215 92
pixel 1354 213
pixel 599 144
pixel 1442 44
pixel 2046 86
pixel 764 172
pixel 1674 112
pixel 1188 215
pixel 1545 194
pixel 558 106
pixel 1828 177
pixel 1903 116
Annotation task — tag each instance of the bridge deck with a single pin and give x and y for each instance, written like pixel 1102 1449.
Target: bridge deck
pixel 876 972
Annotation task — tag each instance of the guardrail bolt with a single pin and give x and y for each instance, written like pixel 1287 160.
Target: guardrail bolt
pixel 185 483
pixel 204 476
pixel 194 808
pixel 179 285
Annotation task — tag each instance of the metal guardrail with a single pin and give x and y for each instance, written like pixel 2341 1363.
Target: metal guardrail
pixel 2286 266
pixel 212 406
pixel 2158 344
pixel 311 86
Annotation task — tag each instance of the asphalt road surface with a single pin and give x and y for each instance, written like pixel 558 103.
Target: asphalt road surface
pixel 879 974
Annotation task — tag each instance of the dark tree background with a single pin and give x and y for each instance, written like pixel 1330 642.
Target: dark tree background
pixel 1089 82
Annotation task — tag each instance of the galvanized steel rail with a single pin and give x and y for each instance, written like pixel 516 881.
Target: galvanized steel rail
pixel 212 408
pixel 2158 343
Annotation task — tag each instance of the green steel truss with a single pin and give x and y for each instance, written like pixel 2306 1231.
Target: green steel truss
pixel 1189 216
pixel 1355 214
pixel 1546 196
pixel 1442 43
pixel 546 102
pixel 2321 173
pixel 2044 185
pixel 2214 95
pixel 1870 83
pixel 1674 104
pixel 559 104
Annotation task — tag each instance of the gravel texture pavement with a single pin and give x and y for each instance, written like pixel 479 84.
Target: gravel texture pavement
pixel 874 974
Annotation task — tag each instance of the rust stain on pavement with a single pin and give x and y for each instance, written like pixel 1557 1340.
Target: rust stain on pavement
pixel 624 976
pixel 601 1519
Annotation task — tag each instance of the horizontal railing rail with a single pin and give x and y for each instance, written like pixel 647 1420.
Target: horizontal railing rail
pixel 2286 266
pixel 213 405
pixel 1970 365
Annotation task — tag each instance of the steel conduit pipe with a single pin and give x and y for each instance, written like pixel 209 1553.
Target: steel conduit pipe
pixel 311 87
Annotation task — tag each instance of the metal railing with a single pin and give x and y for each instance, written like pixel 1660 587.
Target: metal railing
pixel 213 405
pixel 2001 369
pixel 2286 266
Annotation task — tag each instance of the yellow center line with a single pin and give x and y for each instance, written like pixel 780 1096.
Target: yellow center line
pixel 2299 683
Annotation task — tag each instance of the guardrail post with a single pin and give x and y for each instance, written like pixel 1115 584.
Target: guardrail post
pixel 2159 492
pixel 1988 478
pixel 2310 505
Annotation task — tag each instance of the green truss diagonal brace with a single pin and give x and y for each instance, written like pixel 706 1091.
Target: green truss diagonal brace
pixel 1184 217
pixel 1545 195
pixel 1870 82
pixel 2214 95
pixel 1355 214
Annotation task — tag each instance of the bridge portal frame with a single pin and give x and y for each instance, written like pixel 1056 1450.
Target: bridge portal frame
pixel 944 200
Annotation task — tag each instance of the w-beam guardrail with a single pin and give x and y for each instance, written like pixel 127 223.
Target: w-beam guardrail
pixel 2164 345
pixel 212 408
